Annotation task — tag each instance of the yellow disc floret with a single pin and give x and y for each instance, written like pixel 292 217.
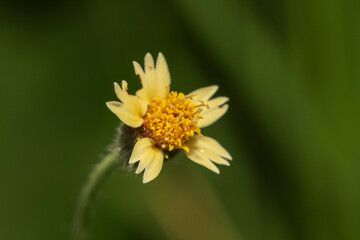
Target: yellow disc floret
pixel 171 121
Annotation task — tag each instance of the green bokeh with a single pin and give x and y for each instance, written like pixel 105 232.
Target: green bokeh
pixel 290 68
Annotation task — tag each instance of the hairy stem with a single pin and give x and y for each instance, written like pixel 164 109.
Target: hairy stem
pixel 89 192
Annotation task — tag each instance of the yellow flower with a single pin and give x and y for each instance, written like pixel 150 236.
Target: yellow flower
pixel 169 121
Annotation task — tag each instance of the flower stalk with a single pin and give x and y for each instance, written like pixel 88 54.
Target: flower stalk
pixel 89 193
pixel 117 157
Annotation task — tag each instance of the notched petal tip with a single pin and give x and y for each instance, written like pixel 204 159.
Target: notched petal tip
pixel 227 163
pixel 222 100
pixel 138 170
pixel 204 93
pixel 161 61
pixel 154 167
pixel 141 148
pixel 136 64
pixel 145 180
pixel 121 92
pixel 138 69
pixel 128 117
pixel 211 166
pixel 206 151
pixel 149 62
pixel 124 85
pixel 116 87
pixel 215 87
pixel 150 159
pixel 112 104
pixel 212 115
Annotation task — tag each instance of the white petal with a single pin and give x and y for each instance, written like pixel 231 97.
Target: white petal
pixel 154 167
pixel 205 150
pixel 203 94
pixel 212 115
pixel 125 114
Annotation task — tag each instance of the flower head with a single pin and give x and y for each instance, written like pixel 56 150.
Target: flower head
pixel 169 121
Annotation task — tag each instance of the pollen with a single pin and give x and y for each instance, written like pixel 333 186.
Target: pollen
pixel 171 121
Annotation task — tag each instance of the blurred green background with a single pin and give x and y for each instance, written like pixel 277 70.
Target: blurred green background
pixel 290 68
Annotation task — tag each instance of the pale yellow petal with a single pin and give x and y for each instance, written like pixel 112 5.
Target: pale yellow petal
pixel 162 70
pixel 213 103
pixel 214 109
pixel 121 93
pixel 145 161
pixel 125 114
pixel 205 150
pixel 133 103
pixel 154 167
pixel 150 76
pixel 216 102
pixel 216 158
pixel 210 144
pixel 149 63
pixel 199 158
pixel 138 70
pixel 145 82
pixel 131 109
pixel 150 158
pixel 203 94
pixel 143 94
pixel 212 115
pixel 155 80
pixel 140 149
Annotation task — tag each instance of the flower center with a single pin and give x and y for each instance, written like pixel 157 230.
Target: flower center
pixel 170 122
